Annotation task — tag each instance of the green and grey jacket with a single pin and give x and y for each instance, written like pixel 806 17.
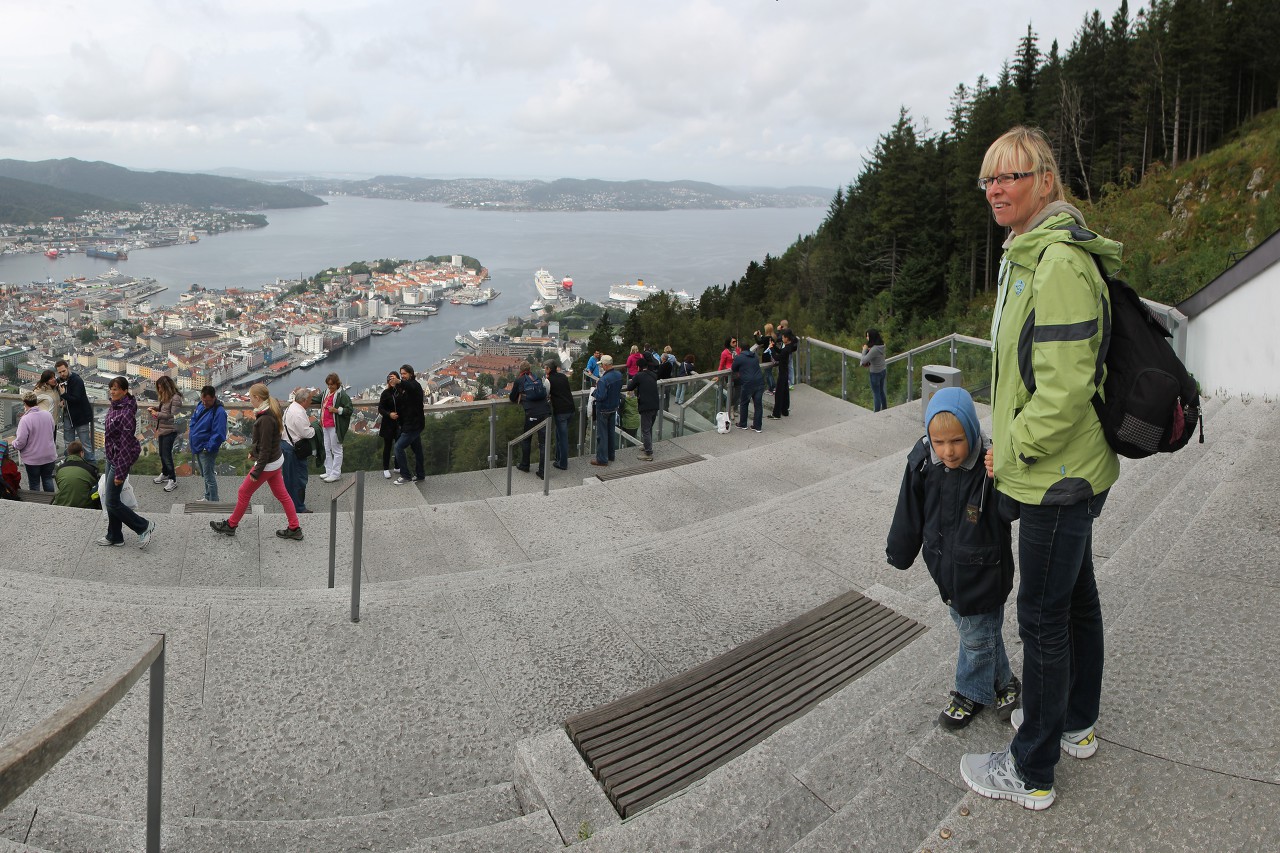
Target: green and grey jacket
pixel 1052 309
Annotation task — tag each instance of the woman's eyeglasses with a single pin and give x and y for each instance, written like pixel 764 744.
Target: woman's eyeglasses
pixel 1004 180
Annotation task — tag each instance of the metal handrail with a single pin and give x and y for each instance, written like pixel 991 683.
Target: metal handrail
pixel 357 540
pixel 545 426
pixel 908 356
pixel 29 756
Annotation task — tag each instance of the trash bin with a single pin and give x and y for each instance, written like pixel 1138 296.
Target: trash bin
pixel 934 377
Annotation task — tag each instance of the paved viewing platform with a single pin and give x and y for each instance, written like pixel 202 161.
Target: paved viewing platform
pixel 436 722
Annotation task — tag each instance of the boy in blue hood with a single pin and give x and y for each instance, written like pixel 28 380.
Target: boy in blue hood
pixel 946 504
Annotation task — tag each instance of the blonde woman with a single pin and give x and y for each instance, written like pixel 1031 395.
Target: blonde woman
pixel 164 412
pixel 268 466
pixel 49 397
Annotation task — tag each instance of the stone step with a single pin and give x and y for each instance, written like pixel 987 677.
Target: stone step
pixel 396 829
pixel 531 833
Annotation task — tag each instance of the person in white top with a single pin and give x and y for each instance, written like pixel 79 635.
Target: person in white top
pixel 297 430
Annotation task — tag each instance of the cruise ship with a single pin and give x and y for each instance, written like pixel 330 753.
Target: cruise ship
pixel 629 295
pixel 548 287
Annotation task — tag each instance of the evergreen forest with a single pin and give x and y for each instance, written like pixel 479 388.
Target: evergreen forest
pixel 1165 127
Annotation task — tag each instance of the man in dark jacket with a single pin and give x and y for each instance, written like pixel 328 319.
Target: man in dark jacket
pixel 562 409
pixel 411 418
pixel 750 379
pixel 782 353
pixel 606 398
pixel 530 392
pixel 77 411
pixel 645 384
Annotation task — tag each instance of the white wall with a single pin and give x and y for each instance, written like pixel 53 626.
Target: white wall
pixel 1234 346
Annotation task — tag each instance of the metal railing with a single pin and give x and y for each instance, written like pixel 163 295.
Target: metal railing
pixel 29 756
pixel 357 540
pixel 543 426
pixel 911 360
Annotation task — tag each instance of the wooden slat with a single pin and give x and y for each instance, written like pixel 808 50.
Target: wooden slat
pixel 35 497
pixel 653 743
pixel 220 507
pixel 645 468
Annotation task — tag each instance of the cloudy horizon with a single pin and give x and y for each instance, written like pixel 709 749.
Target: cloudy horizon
pixel 781 93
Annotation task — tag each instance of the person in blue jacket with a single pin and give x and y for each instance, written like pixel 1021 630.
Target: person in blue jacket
pixel 207 432
pixel 606 398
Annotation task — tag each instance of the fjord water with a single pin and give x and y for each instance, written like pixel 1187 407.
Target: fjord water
pixel 678 249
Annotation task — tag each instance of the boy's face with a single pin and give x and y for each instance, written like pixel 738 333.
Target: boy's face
pixel 949 442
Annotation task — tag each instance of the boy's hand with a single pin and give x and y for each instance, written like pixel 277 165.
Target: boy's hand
pixel 990 461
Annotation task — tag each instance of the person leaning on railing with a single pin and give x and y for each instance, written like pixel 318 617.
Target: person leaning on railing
pixel 77 411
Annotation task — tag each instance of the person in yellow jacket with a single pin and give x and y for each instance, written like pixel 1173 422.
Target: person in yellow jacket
pixel 1050 456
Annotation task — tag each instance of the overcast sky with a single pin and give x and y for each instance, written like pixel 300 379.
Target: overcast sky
pixel 767 92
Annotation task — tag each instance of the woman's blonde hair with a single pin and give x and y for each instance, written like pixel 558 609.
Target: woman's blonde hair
pixel 260 392
pixel 1024 149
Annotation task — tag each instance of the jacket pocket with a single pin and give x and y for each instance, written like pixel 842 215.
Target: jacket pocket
pixel 977 579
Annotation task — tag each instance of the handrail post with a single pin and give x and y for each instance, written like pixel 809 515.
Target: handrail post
pixel 333 536
pixel 155 749
pixel 953 349
pixel 911 372
pixel 844 377
pixel 357 547
pixel 493 435
pixel 546 451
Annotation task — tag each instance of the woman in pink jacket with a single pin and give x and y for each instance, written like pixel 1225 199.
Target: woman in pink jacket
pixel 35 443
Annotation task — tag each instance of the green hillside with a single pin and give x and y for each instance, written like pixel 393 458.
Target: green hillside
pixel 23 201
pixel 1181 227
pixel 125 185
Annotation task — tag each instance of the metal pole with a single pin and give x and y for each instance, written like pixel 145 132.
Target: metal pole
pixel 155 750
pixel 357 547
pixel 493 435
pixel 333 534
pixel 911 372
pixel 844 378
pixel 546 451
pixel 666 401
pixel 953 349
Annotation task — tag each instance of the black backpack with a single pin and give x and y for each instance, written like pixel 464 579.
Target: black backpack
pixel 532 390
pixel 1149 403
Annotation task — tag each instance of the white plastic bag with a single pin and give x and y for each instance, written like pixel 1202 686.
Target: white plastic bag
pixel 127 497
pixel 722 422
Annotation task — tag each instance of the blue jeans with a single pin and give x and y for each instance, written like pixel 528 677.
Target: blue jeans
pixel 118 514
pixel 40 476
pixel 165 443
pixel 606 441
pixel 82 434
pixel 410 438
pixel 208 460
pixel 879 401
pixel 982 666
pixel 562 439
pixel 1060 623
pixel 753 395
pixel 295 476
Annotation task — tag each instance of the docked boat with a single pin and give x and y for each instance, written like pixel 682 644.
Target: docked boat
pixel 538 307
pixel 632 294
pixel 566 284
pixel 548 288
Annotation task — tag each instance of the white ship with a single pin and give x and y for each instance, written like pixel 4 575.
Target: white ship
pixel 628 295
pixel 548 287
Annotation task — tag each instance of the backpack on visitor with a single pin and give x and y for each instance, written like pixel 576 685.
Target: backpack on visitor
pixel 1148 403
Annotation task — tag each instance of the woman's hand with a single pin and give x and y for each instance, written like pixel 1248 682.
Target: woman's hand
pixel 117 481
pixel 990 461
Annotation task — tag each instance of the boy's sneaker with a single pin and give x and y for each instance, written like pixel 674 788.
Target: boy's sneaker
pixel 1007 698
pixel 1080 744
pixel 959 712
pixel 171 485
pixel 294 533
pixel 223 528
pixel 993 775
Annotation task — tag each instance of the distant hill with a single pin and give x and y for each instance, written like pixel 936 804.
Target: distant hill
pixel 568 193
pixel 125 185
pixel 23 201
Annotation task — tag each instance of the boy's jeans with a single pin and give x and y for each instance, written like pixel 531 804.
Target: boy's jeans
pixel 1060 623
pixel 982 664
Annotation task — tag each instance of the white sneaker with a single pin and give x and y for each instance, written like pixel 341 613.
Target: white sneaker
pixel 160 479
pixel 995 776
pixel 171 485
pixel 400 481
pixel 387 474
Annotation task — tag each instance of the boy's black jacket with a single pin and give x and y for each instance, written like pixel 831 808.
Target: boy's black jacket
pixel 964 539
